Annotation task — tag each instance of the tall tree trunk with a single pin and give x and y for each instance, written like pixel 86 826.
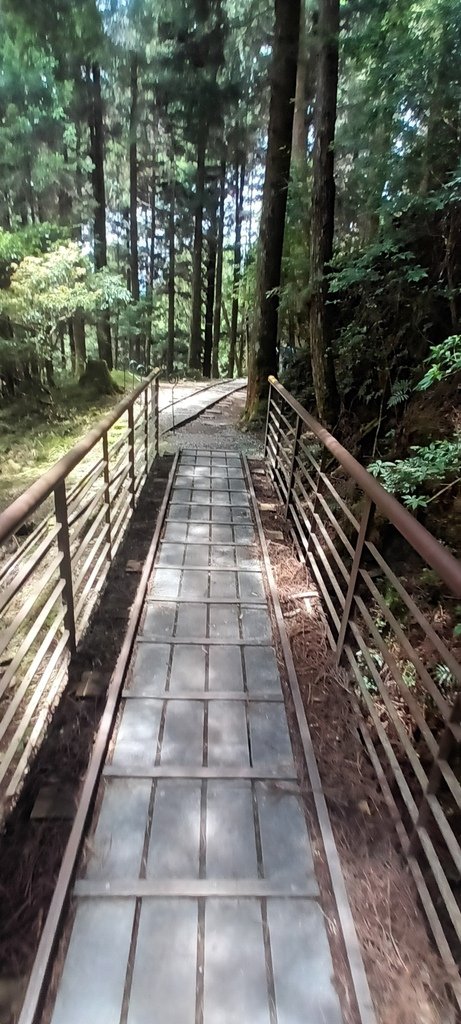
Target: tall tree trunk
pixel 239 188
pixel 134 256
pixel 441 153
pixel 210 290
pixel 195 346
pixel 99 195
pixel 150 256
pixel 264 357
pixel 305 87
pixel 299 147
pixel 171 280
pixel 323 213
pixel 219 275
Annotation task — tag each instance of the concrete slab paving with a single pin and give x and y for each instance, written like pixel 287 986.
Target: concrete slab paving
pixel 201 801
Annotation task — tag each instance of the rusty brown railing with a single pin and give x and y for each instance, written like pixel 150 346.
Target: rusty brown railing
pixel 390 608
pixel 51 580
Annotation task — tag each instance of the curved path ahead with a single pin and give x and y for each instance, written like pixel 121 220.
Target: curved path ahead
pixel 181 405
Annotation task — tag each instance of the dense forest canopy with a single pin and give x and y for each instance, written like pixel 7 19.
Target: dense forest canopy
pixel 215 185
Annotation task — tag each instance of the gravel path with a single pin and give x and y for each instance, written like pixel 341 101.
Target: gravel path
pixel 217 428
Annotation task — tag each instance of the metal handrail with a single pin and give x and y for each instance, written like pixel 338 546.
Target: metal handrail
pixel 25 505
pixel 439 558
pixel 405 676
pixel 51 583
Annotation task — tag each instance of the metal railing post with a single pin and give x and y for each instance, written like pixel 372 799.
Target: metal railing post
pixel 156 415
pixel 65 568
pixel 266 435
pixel 105 455
pixel 131 456
pixel 146 428
pixel 365 521
pixel 292 475
pixel 151 423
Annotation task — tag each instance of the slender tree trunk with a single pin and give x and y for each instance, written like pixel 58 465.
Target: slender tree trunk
pixel 322 214
pixel 70 331
pixel 150 256
pixel 226 318
pixel 49 373
pixel 210 290
pixel 171 280
pixel 195 346
pixel 264 358
pixel 239 352
pixel 79 343
pixel 116 339
pixel 62 347
pixel 99 195
pixel 134 256
pixel 219 275
pixel 153 203
pixel 239 189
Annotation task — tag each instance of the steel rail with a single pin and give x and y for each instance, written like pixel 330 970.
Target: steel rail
pixel 396 666
pixel 438 557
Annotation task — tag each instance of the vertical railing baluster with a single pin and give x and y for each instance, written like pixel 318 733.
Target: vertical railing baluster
pixel 365 522
pixel 131 456
pixel 65 568
pixel 105 455
pixel 317 493
pixel 447 745
pixel 294 455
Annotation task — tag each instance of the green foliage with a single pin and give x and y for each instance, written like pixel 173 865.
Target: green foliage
pixel 445 679
pixel 430 465
pixel 400 392
pixel 47 290
pixel 443 361
pixel 30 241
pixel 365 267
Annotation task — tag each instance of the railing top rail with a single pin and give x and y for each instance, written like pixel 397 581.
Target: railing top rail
pixel 439 558
pixel 26 504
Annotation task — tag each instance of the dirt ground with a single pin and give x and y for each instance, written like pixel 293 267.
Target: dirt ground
pixel 409 983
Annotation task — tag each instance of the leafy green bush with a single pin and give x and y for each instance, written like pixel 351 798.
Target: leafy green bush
pixel 443 360
pixel 431 464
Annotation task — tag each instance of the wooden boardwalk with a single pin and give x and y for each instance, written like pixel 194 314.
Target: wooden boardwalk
pixel 198 902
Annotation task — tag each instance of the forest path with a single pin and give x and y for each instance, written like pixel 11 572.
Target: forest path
pixel 198 901
pixel 182 404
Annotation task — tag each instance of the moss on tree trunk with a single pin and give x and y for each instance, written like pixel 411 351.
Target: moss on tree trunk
pixel 97 377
